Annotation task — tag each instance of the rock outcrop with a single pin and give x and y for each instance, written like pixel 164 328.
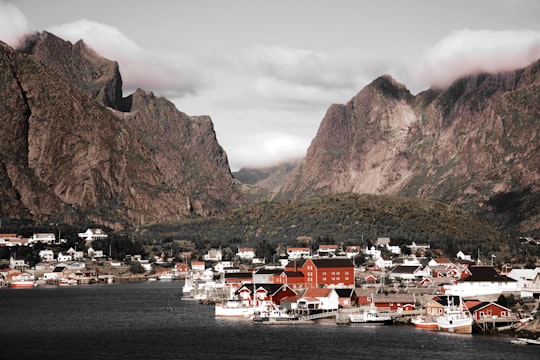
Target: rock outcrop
pixel 474 145
pixel 71 151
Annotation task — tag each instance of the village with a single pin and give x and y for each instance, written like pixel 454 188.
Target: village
pixel 307 284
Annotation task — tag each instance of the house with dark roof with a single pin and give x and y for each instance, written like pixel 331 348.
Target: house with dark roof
pixel 331 271
pixel 483 281
pixel 394 302
pixel 266 276
pixel 406 272
pixel 264 292
pixel 346 297
pixel 485 310
pixel 294 279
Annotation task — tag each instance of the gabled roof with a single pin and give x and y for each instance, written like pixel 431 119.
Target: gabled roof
pixel 484 304
pixel 406 269
pixel 487 274
pixel 317 292
pixel 271 289
pixel 393 298
pixel 344 292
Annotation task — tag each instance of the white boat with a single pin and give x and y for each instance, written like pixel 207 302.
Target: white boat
pixel 22 284
pixel 67 282
pixel 456 319
pixel 371 317
pixel 238 308
pixel 165 277
pixel 425 322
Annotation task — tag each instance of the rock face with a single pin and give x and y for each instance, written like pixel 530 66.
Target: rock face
pixel 475 145
pixel 72 149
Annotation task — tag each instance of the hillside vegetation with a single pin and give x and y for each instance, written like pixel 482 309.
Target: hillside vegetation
pixel 336 219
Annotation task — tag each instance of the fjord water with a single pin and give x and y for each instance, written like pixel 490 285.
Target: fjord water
pixel 132 321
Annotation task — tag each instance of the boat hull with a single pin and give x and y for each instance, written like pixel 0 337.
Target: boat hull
pixel 223 310
pixel 22 284
pixel 425 323
pixel 462 326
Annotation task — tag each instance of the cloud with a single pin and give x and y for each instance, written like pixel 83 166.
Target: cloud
pixel 469 52
pixel 13 24
pixel 163 71
pixel 266 149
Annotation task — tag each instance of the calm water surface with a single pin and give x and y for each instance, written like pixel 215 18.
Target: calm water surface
pixel 131 321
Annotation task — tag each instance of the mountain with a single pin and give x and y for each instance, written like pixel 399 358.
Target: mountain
pixel 72 149
pixel 474 145
pixel 261 184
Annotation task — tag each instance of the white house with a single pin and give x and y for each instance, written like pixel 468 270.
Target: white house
pixel 327 250
pixel 319 299
pixel 17 263
pixel 373 252
pixel 483 281
pixel 298 252
pixel 384 262
pixel 213 255
pixel 246 253
pixel 64 257
pixel 524 277
pixel 93 234
pixel 45 238
pixel 460 255
pixel 46 255
pixel 352 251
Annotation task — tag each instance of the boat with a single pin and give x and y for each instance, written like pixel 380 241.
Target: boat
pixel 425 322
pixel 455 319
pixel 238 308
pixel 22 284
pixel 67 282
pixel 370 317
pixel 165 277
pixel 525 341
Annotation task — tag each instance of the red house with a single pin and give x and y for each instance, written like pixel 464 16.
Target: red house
pixel 294 279
pixel 394 302
pixel 331 271
pixel 487 310
pixel 264 292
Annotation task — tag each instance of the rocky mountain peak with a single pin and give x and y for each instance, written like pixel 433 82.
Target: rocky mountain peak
pixel 67 154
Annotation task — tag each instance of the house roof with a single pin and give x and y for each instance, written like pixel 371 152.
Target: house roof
pixel 446 300
pixel 393 298
pixel 332 263
pixel 296 263
pixel 269 271
pixel 405 269
pixel 487 274
pixel 271 289
pixel 484 304
pixel 235 275
pixel 293 273
pixel 344 293
pixel 442 260
pixel 317 292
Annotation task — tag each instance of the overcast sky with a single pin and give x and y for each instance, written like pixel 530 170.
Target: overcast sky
pixel 267 71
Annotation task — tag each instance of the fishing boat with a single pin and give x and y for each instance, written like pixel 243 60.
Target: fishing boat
pixel 455 319
pixel 370 317
pixel 425 322
pixel 22 284
pixel 238 308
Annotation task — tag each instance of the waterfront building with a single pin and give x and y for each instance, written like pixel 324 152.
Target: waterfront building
pixel 484 280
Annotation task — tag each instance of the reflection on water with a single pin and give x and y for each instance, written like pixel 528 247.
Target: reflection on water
pixel 132 321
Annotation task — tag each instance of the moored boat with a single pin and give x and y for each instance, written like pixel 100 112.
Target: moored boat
pixel 456 319
pixel 237 308
pixel 425 322
pixel 23 284
pixel 371 317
